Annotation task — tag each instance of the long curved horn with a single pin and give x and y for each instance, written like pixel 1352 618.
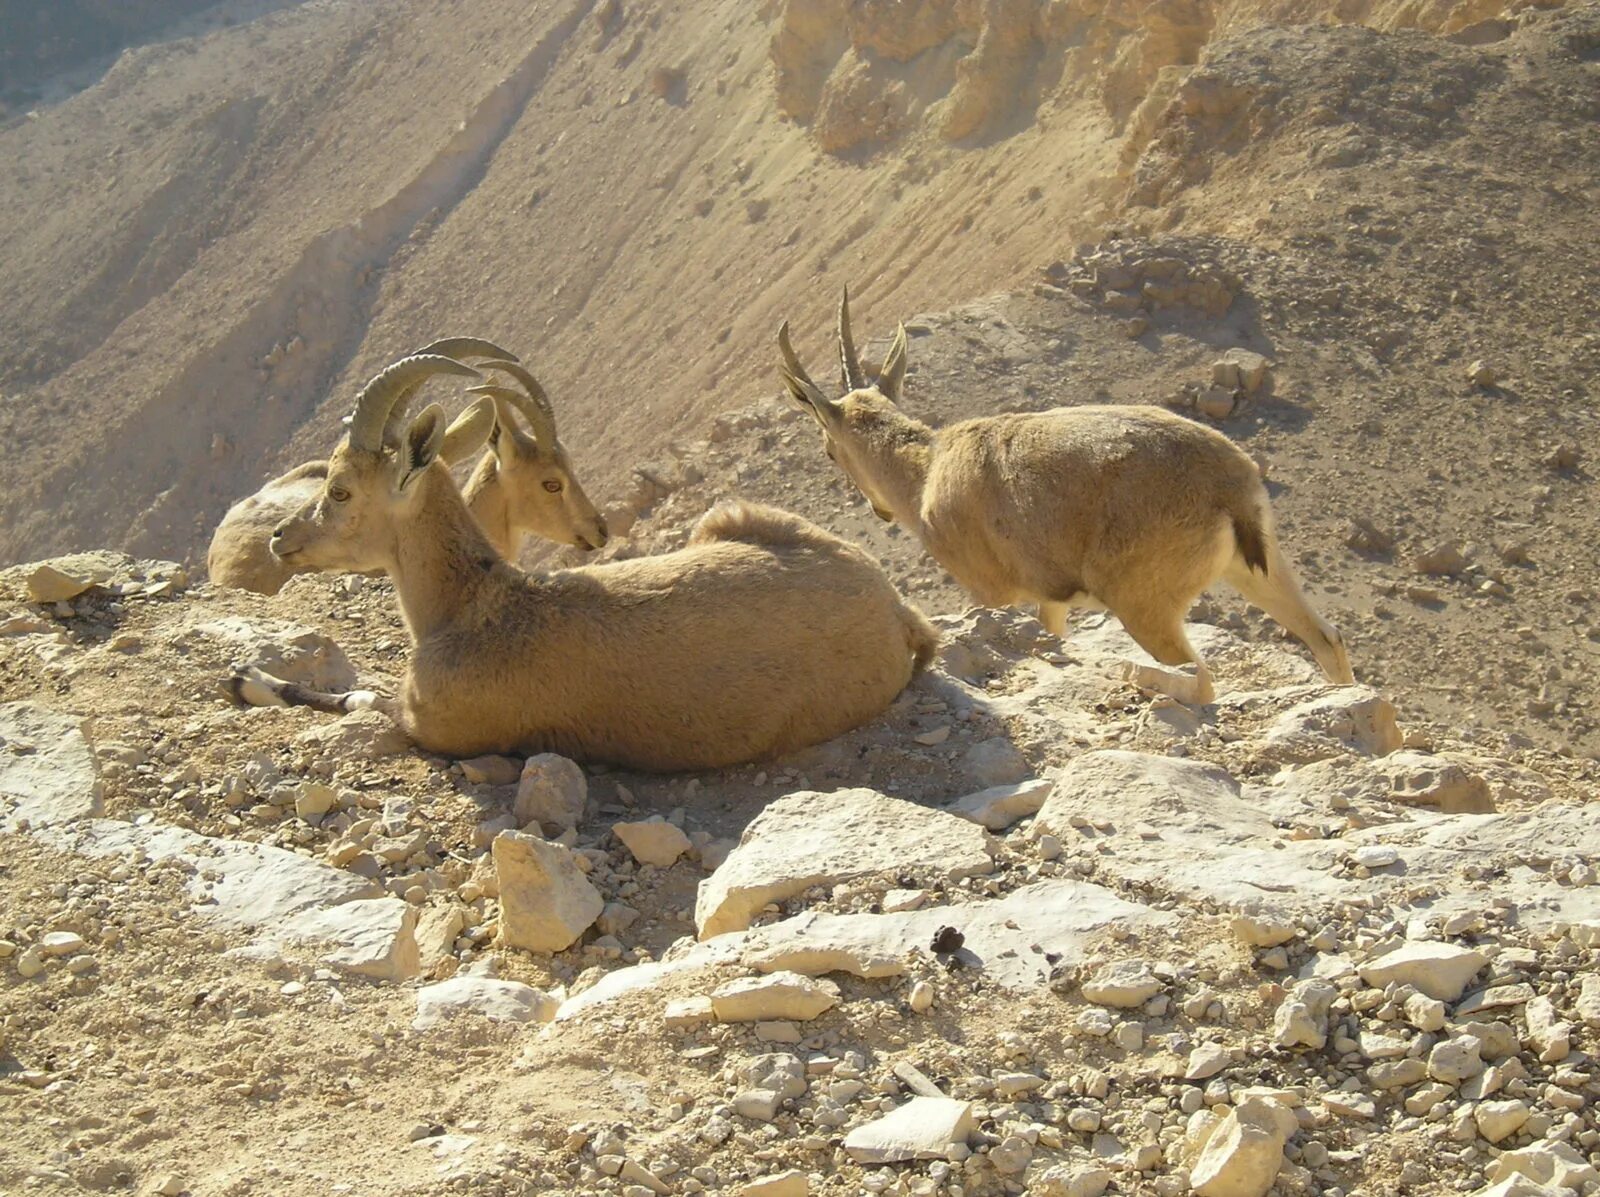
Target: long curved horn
pixel 794 374
pixel 850 371
pixel 534 406
pixel 383 391
pixel 460 348
pixel 893 375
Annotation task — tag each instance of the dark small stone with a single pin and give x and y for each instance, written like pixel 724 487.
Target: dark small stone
pixel 947 939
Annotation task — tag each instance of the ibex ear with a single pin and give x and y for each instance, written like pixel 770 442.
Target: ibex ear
pixel 893 374
pixel 423 440
pixel 467 432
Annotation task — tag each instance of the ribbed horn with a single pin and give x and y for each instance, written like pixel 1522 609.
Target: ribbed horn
pixel 460 348
pixel 377 399
pixel 534 406
pixel 794 374
pixel 850 371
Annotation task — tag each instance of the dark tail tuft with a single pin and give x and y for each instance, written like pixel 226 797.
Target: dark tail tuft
pixel 1251 543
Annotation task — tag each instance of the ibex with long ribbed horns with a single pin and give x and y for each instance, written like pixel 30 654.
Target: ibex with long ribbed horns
pixel 522 485
pixel 764 635
pixel 1129 508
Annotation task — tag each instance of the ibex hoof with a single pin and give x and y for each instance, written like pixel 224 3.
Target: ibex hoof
pixel 1191 691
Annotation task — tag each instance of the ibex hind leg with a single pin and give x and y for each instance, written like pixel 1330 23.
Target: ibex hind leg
pixel 1278 593
pixel 1161 634
pixel 252 688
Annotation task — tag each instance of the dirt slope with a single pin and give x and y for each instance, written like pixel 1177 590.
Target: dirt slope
pixel 228 232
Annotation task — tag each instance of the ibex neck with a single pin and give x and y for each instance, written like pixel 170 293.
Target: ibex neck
pixel 486 499
pixel 904 472
pixel 442 557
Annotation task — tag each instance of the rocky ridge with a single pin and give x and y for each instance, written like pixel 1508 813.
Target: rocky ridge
pixel 1087 942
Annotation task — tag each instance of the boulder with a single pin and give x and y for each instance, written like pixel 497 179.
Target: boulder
pixel 545 900
pixel 925 1128
pixel 1440 970
pixel 810 838
pixel 1124 984
pixel 498 1001
pixel 653 842
pixel 1545 1163
pixel 998 807
pixel 1243 1151
pixel 779 995
pixel 551 792
pixel 1420 779
pixel 1349 719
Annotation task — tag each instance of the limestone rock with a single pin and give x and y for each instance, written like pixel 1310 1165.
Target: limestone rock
pixel 1206 1061
pixel 1099 783
pixel 780 995
pixel 688 1012
pixel 779 1184
pixel 1302 1019
pixel 1071 1180
pixel 1420 779
pixel 1545 1163
pixel 1124 984
pixel 1456 1060
pixel 1350 719
pixel 498 1001
pixel 1016 941
pixel 1551 1037
pixel 437 928
pixel 545 900
pixel 999 807
pixel 1497 1119
pixel 1440 970
pixel 1518 1185
pixel 371 937
pixel 551 792
pixel 491 770
pixel 810 838
pixel 653 842
pixel 925 1128
pixel 48 772
pixel 1243 1153
pixel 1588 1004
pixel 1262 928
pixel 47 584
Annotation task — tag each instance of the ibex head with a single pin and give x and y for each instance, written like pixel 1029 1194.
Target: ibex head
pixel 373 474
pixel 862 428
pixel 542 492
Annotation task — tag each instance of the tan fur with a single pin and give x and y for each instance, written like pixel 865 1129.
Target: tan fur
pixel 764 635
pixel 1131 508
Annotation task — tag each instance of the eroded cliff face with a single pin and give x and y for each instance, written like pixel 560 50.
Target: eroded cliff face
pixel 37 41
pixel 214 245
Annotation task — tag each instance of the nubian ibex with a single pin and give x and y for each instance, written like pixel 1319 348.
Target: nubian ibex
pixel 521 485
pixel 764 635
pixel 1128 508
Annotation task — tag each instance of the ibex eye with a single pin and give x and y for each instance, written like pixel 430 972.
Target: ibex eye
pixel 553 486
pixel 338 494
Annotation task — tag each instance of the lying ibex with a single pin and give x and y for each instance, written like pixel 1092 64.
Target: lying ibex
pixel 765 634
pixel 523 484
pixel 1130 508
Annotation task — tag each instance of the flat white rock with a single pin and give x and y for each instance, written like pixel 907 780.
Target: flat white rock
pixel 498 1001
pixel 775 996
pixel 370 937
pixel 925 1128
pixel 1440 970
pixel 999 807
pixel 545 900
pixel 653 842
pixel 47 769
pixel 809 838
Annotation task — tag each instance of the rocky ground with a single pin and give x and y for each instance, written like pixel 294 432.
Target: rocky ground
pixel 1031 931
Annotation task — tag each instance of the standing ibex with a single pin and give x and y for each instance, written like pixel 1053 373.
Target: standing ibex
pixel 523 484
pixel 764 635
pixel 1130 508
